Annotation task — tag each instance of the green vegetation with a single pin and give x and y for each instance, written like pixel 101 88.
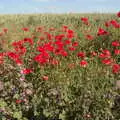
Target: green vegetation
pixel 63 67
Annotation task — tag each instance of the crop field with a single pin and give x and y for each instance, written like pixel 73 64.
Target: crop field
pixel 60 67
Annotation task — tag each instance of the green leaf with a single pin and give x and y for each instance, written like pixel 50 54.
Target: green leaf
pixel 16 96
pixel 62 116
pixel 17 115
pixel 2 103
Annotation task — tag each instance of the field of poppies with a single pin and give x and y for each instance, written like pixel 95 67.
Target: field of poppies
pixel 60 67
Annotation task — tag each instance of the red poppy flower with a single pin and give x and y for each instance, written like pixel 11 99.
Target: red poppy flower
pixel 29 40
pixel 117 52
pixel 67 42
pixel 75 44
pixel 49 36
pixel 116 68
pixel 45 77
pixel 84 20
pixel 71 48
pixel 1 58
pixel 59 44
pixel 41 59
pixel 105 54
pixel 48 47
pixel 1 33
pixel 118 14
pixel 1 55
pixel 21 50
pixel 59 37
pixel 117 25
pixel 51 29
pixel 101 32
pixel 107 24
pixel 42 38
pixel 89 37
pixel 83 63
pixel 93 53
pixel 25 29
pixel 64 28
pixel 81 54
pixel 39 29
pixel 40 49
pixel 18 43
pixel 64 53
pixel 5 30
pixel 26 71
pixel 107 61
pixel 18 62
pixel 115 43
pixel 13 55
pixel 114 23
pixel 18 101
pixel 70 34
pixel 1 61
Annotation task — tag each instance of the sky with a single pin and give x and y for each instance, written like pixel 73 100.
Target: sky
pixel 58 6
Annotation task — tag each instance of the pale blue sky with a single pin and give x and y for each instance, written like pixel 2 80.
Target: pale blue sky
pixel 58 6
